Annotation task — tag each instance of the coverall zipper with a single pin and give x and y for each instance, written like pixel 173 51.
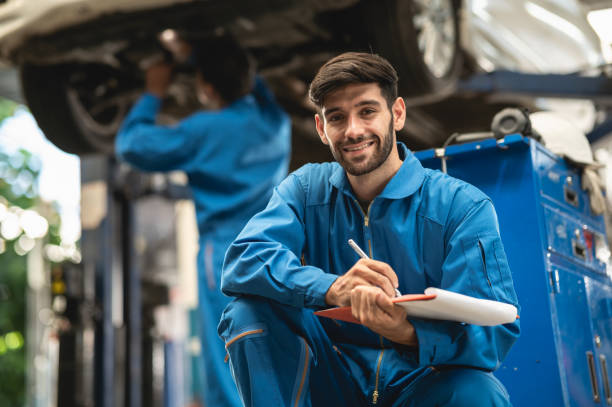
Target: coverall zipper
pixel 380 356
pixel 366 216
pixel 366 221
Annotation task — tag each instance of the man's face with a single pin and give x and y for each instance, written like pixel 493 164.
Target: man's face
pixel 358 126
pixel 206 94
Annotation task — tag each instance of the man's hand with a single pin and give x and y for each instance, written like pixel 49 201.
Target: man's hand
pixel 374 309
pixel 365 272
pixel 158 78
pixel 180 49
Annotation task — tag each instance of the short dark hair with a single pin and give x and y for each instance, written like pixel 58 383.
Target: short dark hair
pixel 226 65
pixel 350 68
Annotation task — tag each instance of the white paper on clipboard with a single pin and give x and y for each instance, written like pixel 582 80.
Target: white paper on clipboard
pixel 452 306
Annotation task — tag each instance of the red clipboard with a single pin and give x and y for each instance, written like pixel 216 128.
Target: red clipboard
pixel 344 313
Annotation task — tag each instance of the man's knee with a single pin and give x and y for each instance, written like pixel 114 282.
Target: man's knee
pixel 473 388
pixel 246 309
pixel 242 312
pixel 464 387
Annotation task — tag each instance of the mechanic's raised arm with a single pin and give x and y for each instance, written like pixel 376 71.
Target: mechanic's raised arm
pixel 152 147
pixel 264 260
pixel 475 265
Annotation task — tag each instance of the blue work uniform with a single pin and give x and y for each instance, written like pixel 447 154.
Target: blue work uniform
pixel 233 158
pixel 432 229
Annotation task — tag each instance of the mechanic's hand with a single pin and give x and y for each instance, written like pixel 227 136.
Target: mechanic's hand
pixel 158 78
pixel 375 310
pixel 366 272
pixel 178 47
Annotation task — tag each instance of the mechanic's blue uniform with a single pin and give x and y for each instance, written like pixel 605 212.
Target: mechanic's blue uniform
pixel 233 158
pixel 432 229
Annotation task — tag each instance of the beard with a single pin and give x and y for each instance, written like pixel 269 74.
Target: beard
pixel 365 165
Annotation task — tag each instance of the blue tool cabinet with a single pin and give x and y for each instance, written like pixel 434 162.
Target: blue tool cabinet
pixel 557 251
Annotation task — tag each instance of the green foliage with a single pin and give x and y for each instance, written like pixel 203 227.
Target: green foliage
pixel 18 175
pixel 12 318
pixel 7 108
pixel 18 187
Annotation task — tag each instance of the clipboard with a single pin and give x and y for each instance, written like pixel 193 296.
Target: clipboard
pixel 441 304
pixel 345 314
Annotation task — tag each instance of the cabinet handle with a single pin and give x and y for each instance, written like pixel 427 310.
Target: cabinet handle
pixel 606 379
pixel 593 375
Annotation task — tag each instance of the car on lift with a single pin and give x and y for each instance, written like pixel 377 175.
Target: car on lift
pixel 81 61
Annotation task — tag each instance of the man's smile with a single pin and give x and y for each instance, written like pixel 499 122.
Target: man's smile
pixel 359 147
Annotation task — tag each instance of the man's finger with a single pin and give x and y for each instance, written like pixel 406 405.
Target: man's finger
pixel 356 299
pixel 384 269
pixel 373 278
pixel 363 302
pixel 380 281
pixel 385 303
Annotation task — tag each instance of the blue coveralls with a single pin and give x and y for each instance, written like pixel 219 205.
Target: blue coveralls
pixel 233 158
pixel 432 229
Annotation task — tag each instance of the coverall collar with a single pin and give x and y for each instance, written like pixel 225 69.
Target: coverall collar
pixel 404 183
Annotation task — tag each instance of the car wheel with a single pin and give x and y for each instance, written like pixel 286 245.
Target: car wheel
pixel 421 39
pixel 78 107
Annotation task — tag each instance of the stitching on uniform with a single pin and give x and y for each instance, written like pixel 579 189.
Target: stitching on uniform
pixel 242 335
pixel 303 379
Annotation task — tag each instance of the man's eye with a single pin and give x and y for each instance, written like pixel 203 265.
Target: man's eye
pixel 335 118
pixel 366 112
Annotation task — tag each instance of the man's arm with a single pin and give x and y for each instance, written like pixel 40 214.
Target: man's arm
pixel 152 147
pixel 149 146
pixel 264 260
pixel 475 264
pixel 366 272
pixel 374 309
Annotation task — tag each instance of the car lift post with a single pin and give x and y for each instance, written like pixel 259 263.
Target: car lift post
pixel 109 264
pixel 110 348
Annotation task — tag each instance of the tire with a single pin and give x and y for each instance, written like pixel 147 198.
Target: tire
pixel 397 27
pixel 79 108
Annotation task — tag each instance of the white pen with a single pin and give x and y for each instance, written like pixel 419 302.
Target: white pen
pixel 362 254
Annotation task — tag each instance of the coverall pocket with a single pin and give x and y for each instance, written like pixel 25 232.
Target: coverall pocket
pixel 503 284
pixel 482 265
pixel 496 268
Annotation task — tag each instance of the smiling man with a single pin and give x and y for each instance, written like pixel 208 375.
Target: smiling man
pixel 353 148
pixel 421 228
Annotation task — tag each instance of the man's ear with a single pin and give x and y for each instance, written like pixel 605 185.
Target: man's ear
pixel 399 114
pixel 212 93
pixel 320 125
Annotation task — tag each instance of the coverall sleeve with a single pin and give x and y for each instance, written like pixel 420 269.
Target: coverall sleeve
pixel 261 92
pixel 264 260
pixel 151 147
pixel 475 264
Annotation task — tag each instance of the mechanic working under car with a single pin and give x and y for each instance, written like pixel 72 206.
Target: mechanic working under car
pixel 233 156
pixel 420 228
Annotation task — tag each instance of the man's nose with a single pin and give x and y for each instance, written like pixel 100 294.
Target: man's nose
pixel 354 127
